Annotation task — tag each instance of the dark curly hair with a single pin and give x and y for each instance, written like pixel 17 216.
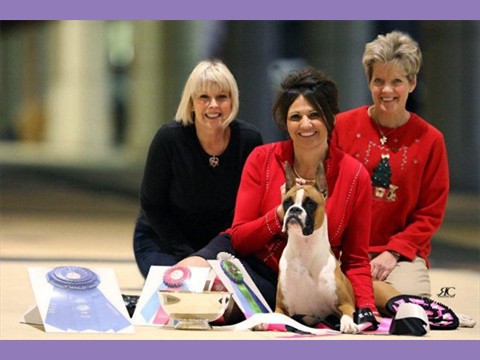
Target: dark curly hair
pixel 317 88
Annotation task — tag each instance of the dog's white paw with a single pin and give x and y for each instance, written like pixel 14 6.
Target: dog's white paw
pixel 347 325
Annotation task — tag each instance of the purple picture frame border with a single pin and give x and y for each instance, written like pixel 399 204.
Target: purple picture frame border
pixel 399 348
pixel 238 349
pixel 239 10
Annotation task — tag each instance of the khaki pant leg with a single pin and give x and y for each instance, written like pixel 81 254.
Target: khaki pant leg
pixel 411 278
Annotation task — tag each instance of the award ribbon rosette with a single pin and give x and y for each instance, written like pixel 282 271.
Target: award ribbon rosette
pixel 149 310
pixel 237 281
pixel 72 299
pixel 174 278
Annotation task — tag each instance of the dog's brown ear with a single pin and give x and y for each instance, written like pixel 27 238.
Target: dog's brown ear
pixel 321 180
pixel 290 179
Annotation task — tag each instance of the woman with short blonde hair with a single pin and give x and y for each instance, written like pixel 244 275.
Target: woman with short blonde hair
pixel 395 48
pixel 193 170
pixel 406 158
pixel 207 75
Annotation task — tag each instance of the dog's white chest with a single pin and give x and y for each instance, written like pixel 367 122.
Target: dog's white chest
pixel 307 281
pixel 306 293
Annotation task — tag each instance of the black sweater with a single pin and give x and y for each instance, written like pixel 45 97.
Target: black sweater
pixel 186 201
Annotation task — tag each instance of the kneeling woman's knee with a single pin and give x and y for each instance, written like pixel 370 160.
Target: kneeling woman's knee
pixel 220 243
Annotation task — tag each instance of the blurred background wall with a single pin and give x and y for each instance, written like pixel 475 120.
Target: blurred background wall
pixel 89 95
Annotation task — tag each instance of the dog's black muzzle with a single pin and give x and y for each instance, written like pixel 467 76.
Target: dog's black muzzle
pixel 294 216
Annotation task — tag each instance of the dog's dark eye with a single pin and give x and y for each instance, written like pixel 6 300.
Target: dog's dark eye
pixel 287 203
pixel 309 204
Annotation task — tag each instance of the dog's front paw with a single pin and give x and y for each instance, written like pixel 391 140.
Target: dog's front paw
pixel 347 325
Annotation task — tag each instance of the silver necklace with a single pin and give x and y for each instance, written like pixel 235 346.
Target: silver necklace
pixel 214 161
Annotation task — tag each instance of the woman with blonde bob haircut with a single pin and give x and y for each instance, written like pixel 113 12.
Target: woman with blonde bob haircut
pixel 193 170
pixel 207 75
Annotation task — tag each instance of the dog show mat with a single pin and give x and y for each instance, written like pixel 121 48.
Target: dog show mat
pixel 410 320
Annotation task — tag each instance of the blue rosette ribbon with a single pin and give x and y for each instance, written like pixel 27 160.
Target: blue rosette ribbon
pixel 78 305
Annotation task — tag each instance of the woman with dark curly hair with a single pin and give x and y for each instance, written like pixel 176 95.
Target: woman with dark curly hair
pixel 305 108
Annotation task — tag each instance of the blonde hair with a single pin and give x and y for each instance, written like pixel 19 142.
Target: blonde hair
pixel 397 48
pixel 207 75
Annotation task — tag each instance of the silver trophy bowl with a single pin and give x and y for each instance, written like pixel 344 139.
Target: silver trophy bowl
pixel 194 310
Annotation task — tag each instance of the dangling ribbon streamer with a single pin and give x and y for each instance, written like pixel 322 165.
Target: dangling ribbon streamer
pixel 250 301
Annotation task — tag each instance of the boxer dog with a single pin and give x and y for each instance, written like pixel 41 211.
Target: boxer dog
pixel 311 283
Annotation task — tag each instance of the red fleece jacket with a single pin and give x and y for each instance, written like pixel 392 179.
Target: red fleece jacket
pixel 257 230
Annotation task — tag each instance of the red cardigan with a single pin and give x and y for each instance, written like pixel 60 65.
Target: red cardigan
pixel 257 230
pixel 406 221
